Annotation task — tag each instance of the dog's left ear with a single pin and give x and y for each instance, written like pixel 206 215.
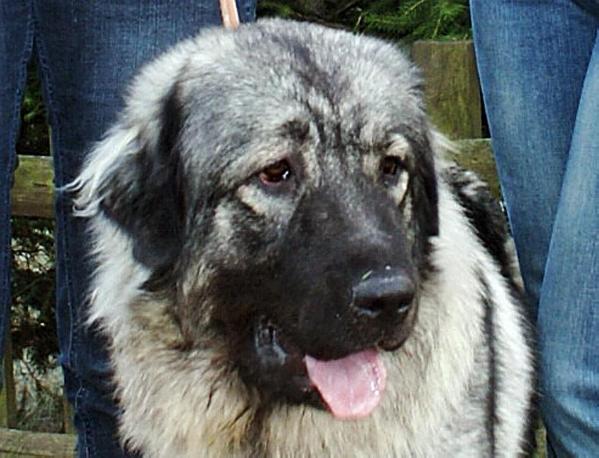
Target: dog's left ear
pixel 425 188
pixel 143 190
pixel 146 195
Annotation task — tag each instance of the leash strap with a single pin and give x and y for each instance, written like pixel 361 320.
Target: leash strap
pixel 228 10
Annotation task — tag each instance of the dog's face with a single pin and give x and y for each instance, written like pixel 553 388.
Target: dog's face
pixel 282 194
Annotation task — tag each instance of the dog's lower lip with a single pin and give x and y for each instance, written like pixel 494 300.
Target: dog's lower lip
pixel 274 364
pixel 391 343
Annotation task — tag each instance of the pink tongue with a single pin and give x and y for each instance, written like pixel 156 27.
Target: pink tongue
pixel 352 386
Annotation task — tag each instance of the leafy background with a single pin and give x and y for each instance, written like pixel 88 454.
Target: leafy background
pixel 391 19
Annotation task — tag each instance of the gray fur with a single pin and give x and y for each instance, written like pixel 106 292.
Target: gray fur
pixel 165 226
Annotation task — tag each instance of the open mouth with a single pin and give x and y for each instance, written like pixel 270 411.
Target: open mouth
pixel 349 387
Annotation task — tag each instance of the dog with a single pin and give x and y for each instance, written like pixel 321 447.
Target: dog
pixel 287 266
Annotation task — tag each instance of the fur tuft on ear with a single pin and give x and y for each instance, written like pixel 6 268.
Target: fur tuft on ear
pixel 139 185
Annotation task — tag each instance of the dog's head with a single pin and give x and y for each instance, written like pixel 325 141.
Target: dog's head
pixel 277 184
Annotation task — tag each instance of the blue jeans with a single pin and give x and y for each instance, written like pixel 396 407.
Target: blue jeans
pixel 86 52
pixel 539 68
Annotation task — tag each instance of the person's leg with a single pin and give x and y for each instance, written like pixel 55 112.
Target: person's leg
pixel 533 58
pixel 569 306
pixel 87 52
pixel 16 38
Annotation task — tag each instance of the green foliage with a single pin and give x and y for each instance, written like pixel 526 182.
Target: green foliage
pixel 420 19
pixel 39 396
pixel 278 9
pixel 33 326
pixel 34 129
pixel 407 20
pixel 33 322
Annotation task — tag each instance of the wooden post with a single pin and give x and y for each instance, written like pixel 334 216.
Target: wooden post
pixel 67 417
pixel 451 86
pixel 8 405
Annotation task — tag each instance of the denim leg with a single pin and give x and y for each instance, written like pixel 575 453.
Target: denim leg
pixel 16 39
pixel 569 305
pixel 87 52
pixel 534 57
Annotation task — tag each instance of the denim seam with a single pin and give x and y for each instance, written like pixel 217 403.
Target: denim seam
pixel 53 109
pixel 83 439
pixel 10 169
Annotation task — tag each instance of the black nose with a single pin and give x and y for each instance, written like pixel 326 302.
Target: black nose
pixel 388 291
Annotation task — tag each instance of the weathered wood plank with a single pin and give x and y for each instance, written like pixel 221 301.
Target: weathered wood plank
pixel 33 190
pixel 451 86
pixel 15 443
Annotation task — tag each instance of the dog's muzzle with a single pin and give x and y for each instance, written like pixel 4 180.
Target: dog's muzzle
pixel 273 362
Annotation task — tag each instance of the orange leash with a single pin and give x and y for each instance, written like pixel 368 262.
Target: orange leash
pixel 228 10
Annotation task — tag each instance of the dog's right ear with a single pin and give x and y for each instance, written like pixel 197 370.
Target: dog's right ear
pixel 136 179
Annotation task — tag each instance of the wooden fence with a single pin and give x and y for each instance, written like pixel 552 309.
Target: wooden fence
pixel 454 105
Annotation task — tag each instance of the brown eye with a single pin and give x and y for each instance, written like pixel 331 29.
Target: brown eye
pixel 275 173
pixel 390 167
